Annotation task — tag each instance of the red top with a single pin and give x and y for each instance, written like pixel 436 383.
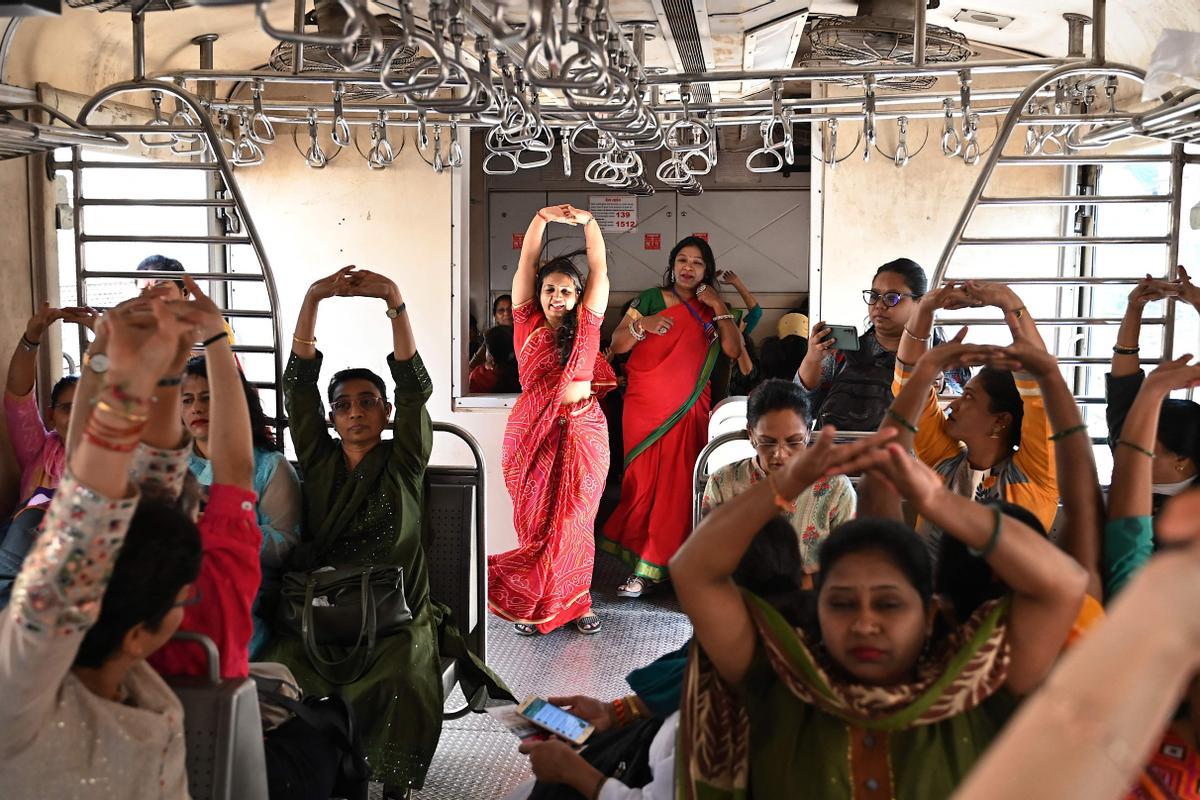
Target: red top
pixel 528 319
pixel 229 579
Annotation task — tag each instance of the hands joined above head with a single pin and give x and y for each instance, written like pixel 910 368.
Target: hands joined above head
pixel 350 281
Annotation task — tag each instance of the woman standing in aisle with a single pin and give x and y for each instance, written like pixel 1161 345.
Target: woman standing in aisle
pixel 556 442
pixel 675 333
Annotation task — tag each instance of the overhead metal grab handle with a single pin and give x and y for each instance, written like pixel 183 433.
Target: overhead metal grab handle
pixel 964 96
pixel 490 168
pixel 566 151
pixel 183 118
pixel 381 155
pixel 951 141
pixel 315 157
pixel 775 162
pixel 971 151
pixel 456 151
pixel 422 132
pixel 246 153
pixel 869 133
pixel 356 14
pixel 261 129
pixel 901 157
pixel 159 121
pixel 438 165
pixel 340 131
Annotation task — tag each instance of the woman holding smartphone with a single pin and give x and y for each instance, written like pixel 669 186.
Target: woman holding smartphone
pixel 673 334
pixel 851 389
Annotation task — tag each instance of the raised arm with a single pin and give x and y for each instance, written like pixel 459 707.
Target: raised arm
pixel 702 570
pixel 364 283
pixel 919 330
pixel 230 441
pixel 1091 728
pixel 1125 360
pixel 1074 461
pixel 304 339
pixel 531 252
pixel 595 292
pixel 1000 296
pixel 57 596
pixel 730 278
pixel 1047 584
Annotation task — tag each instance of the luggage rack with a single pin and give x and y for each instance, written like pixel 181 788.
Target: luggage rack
pixel 20 137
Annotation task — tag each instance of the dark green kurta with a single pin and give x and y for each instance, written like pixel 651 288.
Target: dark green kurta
pixel 372 515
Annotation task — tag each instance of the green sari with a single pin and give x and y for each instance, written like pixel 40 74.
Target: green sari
pixel 790 730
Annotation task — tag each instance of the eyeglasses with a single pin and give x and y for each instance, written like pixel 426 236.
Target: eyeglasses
pixel 788 446
pixel 890 299
pixel 368 403
pixel 193 598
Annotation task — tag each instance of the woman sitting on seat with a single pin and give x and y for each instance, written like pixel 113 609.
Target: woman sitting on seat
pixel 777 419
pixel 275 484
pixel 872 694
pixel 993 442
pixel 103 588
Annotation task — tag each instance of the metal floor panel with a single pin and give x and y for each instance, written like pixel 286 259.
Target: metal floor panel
pixel 476 758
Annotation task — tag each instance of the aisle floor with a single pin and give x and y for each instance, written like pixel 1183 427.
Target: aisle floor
pixel 477 759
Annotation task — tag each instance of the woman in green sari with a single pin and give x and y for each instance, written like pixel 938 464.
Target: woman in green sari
pixel 874 700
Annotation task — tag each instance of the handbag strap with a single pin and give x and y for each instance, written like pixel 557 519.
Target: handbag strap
pixel 366 629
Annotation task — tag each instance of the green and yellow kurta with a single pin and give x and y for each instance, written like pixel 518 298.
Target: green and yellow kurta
pixel 372 515
pixel 791 730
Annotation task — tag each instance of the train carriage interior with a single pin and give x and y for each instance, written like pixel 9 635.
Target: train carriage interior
pixel 1036 161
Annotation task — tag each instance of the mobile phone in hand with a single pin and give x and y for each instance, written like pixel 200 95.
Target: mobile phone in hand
pixel 844 337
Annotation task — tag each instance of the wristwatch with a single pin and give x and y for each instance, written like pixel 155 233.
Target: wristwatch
pixel 392 313
pixel 97 363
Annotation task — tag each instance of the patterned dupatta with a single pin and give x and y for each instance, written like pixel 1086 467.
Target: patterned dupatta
pixel 714 727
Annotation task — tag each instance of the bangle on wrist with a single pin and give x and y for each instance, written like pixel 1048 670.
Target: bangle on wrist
pixel 914 337
pixel 1069 431
pixel 899 419
pixel 720 317
pixel 29 344
pixel 990 547
pixel 310 342
pixel 781 502
pixel 215 339
pixel 1137 447
pixel 1122 350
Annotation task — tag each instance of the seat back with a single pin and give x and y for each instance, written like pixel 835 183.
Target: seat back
pixel 447 524
pixel 222 731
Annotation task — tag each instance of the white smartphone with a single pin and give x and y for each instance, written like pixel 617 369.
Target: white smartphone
pixel 549 717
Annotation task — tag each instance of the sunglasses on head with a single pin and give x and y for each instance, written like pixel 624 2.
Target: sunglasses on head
pixel 890 299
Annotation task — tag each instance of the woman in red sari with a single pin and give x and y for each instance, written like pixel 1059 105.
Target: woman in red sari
pixel 675 332
pixel 556 441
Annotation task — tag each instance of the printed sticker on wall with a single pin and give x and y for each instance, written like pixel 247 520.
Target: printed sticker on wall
pixel 701 235
pixel 518 240
pixel 653 241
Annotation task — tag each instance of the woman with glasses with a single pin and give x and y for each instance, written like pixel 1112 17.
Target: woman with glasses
pixel 777 420
pixel 362 502
pixel 556 442
pixel 852 389
pixel 673 334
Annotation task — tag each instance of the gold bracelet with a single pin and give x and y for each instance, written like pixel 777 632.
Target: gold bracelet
pixel 102 405
pixel 309 342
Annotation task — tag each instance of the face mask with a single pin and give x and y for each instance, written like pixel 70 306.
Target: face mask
pixel 1172 489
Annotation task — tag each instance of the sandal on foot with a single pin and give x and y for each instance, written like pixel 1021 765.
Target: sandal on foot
pixel 589 624
pixel 524 629
pixel 634 586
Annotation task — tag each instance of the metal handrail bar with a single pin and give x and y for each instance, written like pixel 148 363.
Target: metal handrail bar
pixel 849 73
pixel 163 203
pixel 159 275
pixel 1075 200
pixel 1065 241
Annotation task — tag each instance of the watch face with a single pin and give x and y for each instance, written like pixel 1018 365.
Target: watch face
pixel 392 313
pixel 98 363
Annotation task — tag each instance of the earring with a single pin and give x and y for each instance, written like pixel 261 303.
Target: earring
pixel 1179 467
pixel 672 278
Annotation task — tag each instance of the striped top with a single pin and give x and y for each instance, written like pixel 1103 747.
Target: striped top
pixel 1026 478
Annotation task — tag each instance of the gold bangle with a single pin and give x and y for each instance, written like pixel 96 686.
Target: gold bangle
pixel 103 405
pixel 309 342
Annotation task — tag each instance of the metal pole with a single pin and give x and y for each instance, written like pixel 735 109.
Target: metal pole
pixel 139 46
pixel 297 47
pixel 1173 246
pixel 1075 25
pixel 919 33
pixel 218 257
pixel 1098 25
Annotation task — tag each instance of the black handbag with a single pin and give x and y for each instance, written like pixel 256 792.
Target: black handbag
pixel 621 753
pixel 346 607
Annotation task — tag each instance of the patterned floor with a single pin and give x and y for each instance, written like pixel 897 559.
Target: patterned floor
pixel 477 759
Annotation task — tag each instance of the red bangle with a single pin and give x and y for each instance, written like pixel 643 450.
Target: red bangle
pixel 622 714
pixel 105 444
pixel 785 505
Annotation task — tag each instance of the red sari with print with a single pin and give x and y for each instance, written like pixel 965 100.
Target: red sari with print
pixel 555 461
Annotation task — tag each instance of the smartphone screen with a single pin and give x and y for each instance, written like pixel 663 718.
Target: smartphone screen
pixel 845 337
pixel 554 719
